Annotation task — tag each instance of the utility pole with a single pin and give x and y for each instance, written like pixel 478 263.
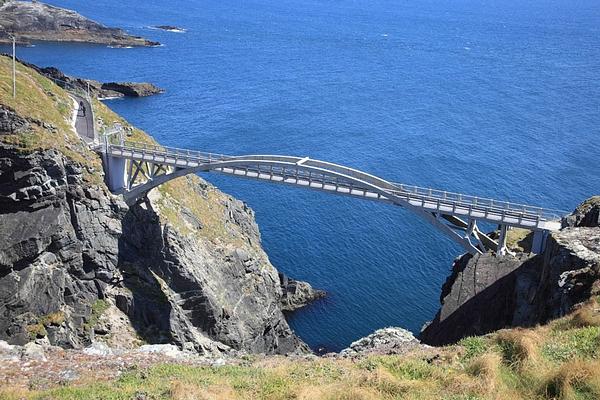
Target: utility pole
pixel 14 68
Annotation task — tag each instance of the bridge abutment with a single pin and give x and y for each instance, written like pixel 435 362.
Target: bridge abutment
pixel 115 174
pixel 539 241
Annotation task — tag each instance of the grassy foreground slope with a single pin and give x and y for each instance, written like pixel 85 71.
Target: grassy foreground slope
pixel 556 361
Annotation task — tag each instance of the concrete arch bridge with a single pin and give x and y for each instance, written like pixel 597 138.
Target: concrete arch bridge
pixel 133 169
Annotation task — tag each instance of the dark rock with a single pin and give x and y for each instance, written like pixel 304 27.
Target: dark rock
pixel 30 21
pixel 486 293
pixel 297 294
pixel 96 89
pixel 586 214
pixel 75 250
pixel 169 28
pixel 132 89
pixel 11 123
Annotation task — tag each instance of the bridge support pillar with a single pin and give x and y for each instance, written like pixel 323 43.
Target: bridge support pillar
pixel 539 241
pixel 115 174
pixel 502 250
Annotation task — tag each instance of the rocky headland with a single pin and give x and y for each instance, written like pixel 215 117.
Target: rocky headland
pixel 78 266
pixel 32 21
pixel 100 90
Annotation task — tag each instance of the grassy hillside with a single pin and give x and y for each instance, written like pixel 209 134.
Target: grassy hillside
pixel 51 110
pixel 557 361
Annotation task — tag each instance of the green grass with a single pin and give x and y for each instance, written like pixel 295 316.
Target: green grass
pixel 474 346
pixel 573 343
pixel 98 308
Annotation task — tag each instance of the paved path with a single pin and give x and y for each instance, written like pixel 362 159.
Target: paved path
pixel 84 122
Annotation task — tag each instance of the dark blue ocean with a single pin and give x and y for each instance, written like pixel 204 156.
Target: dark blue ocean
pixel 491 98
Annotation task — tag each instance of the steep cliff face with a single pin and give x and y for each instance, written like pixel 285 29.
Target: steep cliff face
pixel 78 265
pixel 485 293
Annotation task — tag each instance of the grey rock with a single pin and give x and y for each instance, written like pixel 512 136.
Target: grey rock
pixel 11 123
pixel 33 351
pixel 30 21
pixel 168 350
pixel 384 342
pixel 98 349
pixel 132 89
pixel 587 214
pixel 485 293
pixel 297 294
pixel 73 248
pixel 68 375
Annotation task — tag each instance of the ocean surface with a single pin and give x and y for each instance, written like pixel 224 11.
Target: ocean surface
pixel 491 98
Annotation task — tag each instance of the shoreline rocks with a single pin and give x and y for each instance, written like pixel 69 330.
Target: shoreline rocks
pixel 129 89
pixel 36 21
pixel 384 341
pixel 169 28
pixel 297 294
pixel 97 89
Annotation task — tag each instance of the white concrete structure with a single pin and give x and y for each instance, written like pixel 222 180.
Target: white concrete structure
pixel 148 166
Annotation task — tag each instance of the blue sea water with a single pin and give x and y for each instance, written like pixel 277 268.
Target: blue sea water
pixel 491 98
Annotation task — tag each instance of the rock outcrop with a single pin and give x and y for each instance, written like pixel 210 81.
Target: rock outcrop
pixel 485 293
pixel 384 342
pixel 97 89
pixel 587 214
pixel 31 21
pixel 297 294
pixel 130 89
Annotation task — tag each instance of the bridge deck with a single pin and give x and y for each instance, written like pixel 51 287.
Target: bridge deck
pixel 319 175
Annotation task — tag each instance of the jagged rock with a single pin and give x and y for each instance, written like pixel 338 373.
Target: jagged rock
pixel 485 293
pixel 132 89
pixel 297 294
pixel 11 123
pixel 587 214
pixel 384 341
pixel 71 251
pixel 95 88
pixel 30 21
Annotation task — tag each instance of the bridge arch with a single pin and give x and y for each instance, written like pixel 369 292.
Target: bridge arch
pixel 134 169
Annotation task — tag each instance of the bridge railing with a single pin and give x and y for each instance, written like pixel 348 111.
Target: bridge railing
pixel 480 202
pixel 171 152
pixel 409 192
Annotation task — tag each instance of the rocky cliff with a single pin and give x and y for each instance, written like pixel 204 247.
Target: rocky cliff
pixel 486 293
pixel 78 265
pixel 31 21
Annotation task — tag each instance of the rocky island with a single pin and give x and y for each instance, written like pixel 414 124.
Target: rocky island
pixel 34 21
